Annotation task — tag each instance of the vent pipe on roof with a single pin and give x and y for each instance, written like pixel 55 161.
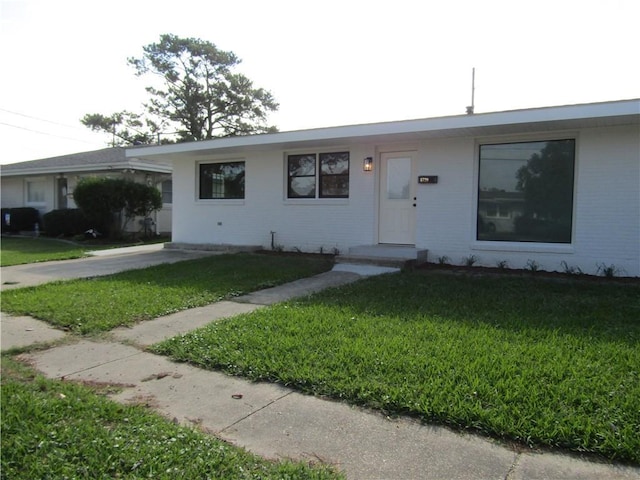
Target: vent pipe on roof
pixel 471 107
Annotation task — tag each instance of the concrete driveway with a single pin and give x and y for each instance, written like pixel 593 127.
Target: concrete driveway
pixel 99 263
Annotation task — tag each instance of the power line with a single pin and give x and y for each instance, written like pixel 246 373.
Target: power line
pixel 40 119
pixel 45 133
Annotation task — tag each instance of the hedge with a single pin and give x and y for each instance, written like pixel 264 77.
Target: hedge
pixel 65 222
pixel 20 219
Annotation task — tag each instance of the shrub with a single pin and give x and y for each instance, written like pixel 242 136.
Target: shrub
pixel 110 203
pixel 66 222
pixel 609 271
pixel 443 260
pixel 20 219
pixel 5 215
pixel 570 269
pixel 532 266
pixel 470 260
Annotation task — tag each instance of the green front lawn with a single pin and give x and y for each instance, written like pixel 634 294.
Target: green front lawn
pixel 19 250
pixel 103 303
pixel 55 429
pixel 543 362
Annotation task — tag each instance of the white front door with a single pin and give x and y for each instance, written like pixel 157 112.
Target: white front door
pixel 397 222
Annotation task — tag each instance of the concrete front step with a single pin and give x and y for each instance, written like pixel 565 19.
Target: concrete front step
pixel 399 256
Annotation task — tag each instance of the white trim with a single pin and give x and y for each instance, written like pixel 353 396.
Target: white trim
pixel 533 247
pixel 567 117
pixel 317 199
pixel 218 201
pixel 523 247
pixel 41 180
pixel 310 202
pixel 98 168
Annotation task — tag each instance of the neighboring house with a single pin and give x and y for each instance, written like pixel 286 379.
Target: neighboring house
pixel 546 185
pixel 497 212
pixel 48 184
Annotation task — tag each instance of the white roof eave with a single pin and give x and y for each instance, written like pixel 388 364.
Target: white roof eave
pixel 565 117
pixel 132 164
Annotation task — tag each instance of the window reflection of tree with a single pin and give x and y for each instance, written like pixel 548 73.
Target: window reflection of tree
pixel 334 163
pixel 302 165
pixel 222 180
pixel 534 180
pixel 334 175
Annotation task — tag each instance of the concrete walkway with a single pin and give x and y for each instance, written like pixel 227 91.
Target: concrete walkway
pixel 269 419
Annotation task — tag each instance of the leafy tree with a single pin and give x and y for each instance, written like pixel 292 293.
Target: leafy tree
pixel 126 128
pixel 111 203
pixel 198 97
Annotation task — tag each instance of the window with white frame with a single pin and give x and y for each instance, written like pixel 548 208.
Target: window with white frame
pixel 318 175
pixel 222 180
pixel 525 191
pixel 35 189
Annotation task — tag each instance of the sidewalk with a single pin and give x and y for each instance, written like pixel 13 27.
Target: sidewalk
pixel 277 422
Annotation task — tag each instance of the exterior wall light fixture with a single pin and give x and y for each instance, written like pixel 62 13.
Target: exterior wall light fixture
pixel 367 166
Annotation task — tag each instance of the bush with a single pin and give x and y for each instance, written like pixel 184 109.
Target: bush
pixel 66 222
pixel 20 219
pixel 4 213
pixel 110 203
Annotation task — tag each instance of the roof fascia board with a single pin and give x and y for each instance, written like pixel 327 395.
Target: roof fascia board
pixel 448 124
pixel 67 169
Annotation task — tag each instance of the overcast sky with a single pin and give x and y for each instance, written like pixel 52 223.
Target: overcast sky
pixel 326 62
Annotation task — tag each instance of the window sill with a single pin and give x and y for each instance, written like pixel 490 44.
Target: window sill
pixel 219 201
pixel 316 201
pixel 523 247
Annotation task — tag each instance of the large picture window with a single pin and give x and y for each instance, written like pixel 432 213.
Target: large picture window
pixel 525 191
pixel 324 175
pixel 222 180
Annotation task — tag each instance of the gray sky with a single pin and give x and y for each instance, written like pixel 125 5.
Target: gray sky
pixel 327 63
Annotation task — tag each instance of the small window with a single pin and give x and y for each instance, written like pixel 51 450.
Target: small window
pixel 36 191
pixel 324 175
pixel 525 191
pixel 167 191
pixel 302 176
pixel 222 180
pixel 334 175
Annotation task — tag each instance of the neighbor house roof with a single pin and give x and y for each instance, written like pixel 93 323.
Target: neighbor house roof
pixel 98 160
pixel 623 112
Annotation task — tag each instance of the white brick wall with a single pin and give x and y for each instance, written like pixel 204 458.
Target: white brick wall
pixel 606 208
pixel 606 221
pixel 307 225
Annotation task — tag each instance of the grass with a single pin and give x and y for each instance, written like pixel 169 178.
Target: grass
pixel 543 362
pixel 54 429
pixel 20 250
pixel 102 303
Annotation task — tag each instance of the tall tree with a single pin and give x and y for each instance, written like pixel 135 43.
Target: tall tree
pixel 126 128
pixel 198 96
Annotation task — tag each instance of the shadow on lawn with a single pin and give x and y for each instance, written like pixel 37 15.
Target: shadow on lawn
pixel 603 310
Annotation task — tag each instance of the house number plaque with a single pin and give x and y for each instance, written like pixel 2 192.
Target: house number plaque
pixel 428 179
